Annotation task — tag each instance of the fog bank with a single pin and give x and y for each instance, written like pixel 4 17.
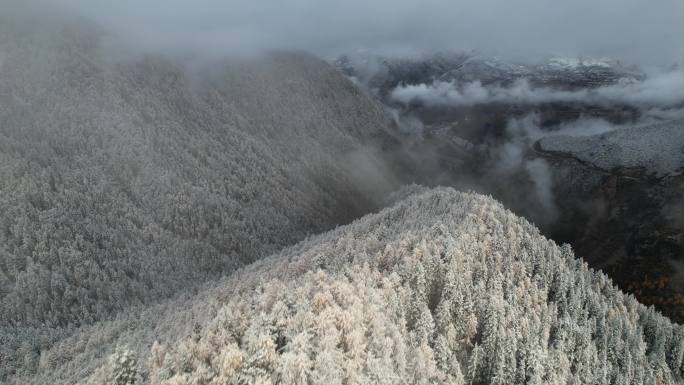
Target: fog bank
pixel 638 31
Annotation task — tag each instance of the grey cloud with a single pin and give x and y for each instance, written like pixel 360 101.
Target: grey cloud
pixel 512 157
pixel 663 90
pixel 638 31
pixel 542 177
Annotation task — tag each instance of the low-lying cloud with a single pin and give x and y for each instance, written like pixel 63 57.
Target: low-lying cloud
pixel 513 157
pixel 639 31
pixel 660 91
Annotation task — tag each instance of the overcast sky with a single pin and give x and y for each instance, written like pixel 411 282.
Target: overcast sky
pixel 642 31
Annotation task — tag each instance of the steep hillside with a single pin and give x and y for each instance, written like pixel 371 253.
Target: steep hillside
pixel 441 287
pixel 125 179
pixel 591 151
pixel 623 208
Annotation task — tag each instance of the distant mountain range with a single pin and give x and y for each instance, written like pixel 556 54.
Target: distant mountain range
pixel 384 74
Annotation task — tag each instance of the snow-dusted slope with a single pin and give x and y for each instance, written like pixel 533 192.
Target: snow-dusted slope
pixel 657 149
pixel 126 178
pixel 441 287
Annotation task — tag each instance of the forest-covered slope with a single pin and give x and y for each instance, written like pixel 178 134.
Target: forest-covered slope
pixel 441 287
pixel 139 194
pixel 126 178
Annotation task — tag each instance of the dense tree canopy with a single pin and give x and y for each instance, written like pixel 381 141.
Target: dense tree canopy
pixel 124 180
pixel 441 287
pixel 139 194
